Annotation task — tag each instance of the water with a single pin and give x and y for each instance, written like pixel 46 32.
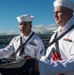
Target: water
pixel 3 45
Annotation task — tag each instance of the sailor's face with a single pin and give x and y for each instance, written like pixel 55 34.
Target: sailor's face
pixel 60 15
pixel 25 27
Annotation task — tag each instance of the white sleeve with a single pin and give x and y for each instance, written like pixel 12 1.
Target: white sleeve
pixel 40 50
pixel 47 67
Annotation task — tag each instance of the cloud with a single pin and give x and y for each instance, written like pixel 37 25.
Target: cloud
pixel 12 32
pixel 42 29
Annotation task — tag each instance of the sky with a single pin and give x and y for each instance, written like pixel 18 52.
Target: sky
pixel 42 10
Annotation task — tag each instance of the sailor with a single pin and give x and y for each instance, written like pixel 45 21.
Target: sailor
pixel 63 15
pixel 34 46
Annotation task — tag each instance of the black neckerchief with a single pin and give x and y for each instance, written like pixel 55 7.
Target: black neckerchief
pixel 21 46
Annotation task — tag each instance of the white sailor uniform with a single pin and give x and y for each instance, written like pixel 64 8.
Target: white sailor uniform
pixel 66 48
pixel 34 47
